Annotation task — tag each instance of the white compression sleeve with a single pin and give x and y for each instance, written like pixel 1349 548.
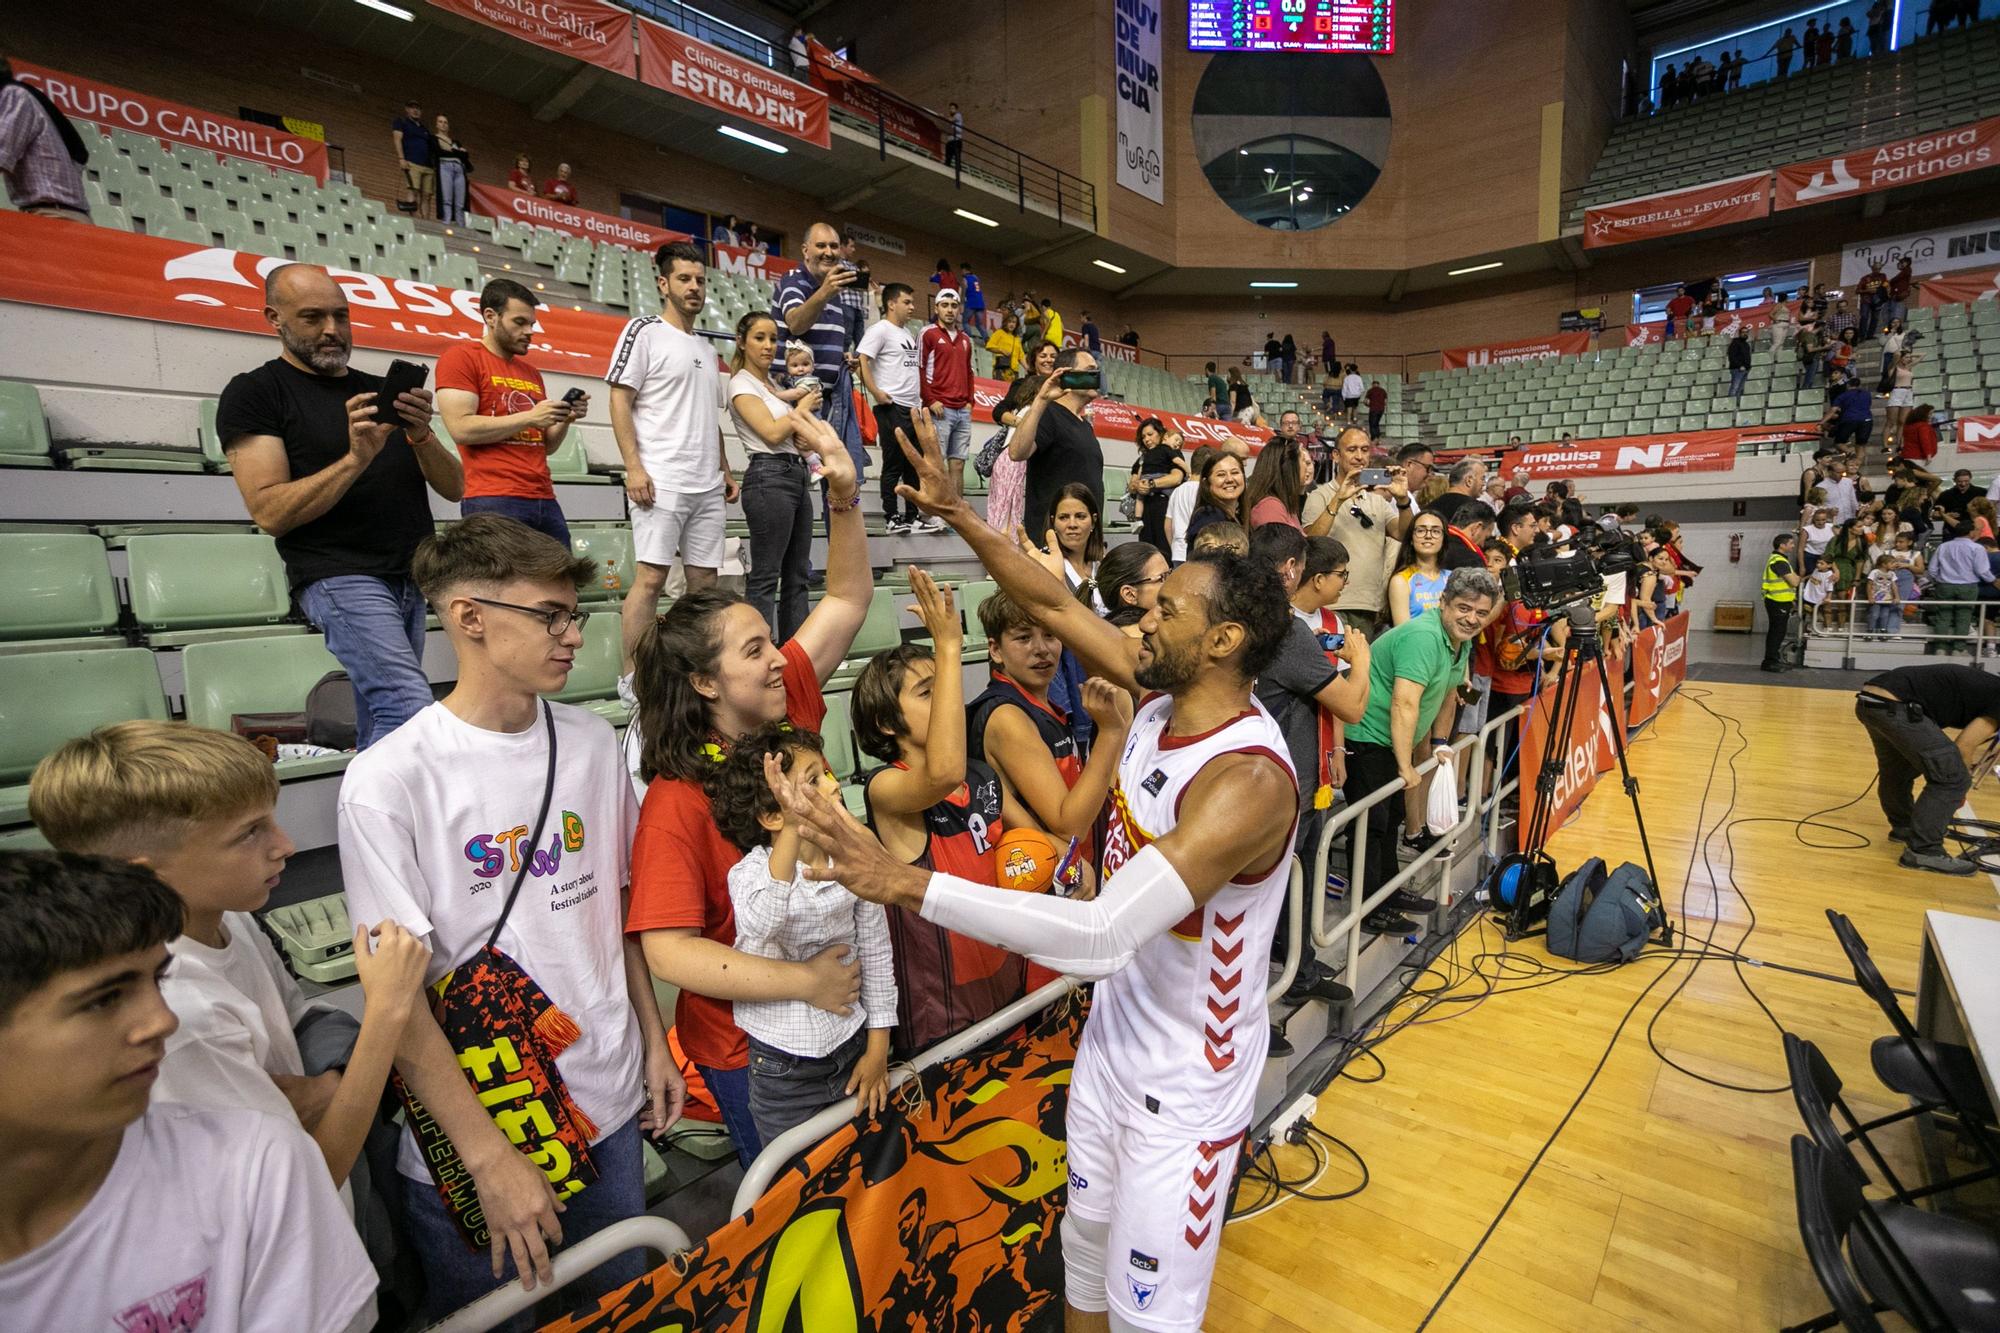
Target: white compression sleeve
pixel 1088 940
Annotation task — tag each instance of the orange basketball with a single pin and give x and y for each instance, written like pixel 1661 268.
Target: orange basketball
pixel 1025 859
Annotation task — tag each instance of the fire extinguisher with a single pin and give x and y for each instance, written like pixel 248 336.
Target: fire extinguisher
pixel 1735 547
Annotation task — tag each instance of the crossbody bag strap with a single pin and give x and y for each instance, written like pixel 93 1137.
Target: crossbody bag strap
pixel 535 839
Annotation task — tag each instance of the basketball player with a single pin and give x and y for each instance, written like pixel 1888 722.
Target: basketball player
pixel 1167 1067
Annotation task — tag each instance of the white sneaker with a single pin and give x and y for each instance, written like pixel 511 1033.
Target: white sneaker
pixel 930 525
pixel 897 527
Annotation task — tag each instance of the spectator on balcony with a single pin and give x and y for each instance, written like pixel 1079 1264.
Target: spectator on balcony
pixel 341 491
pixel 1739 363
pixel 724 232
pixel 1782 327
pixel 41 154
pixel 812 303
pixel 1736 70
pixel 975 297
pixel 559 188
pixel 954 139
pixel 1824 47
pixel 1783 49
pixel 755 242
pixel 1725 72
pixel 454 164
pixel 1879 21
pixel 500 416
pixel 520 178
pixel 1900 283
pixel 944 366
pixel 1843 40
pixel 801 52
pixel 1670 88
pixel 1679 310
pixel 1809 49
pixel 414 149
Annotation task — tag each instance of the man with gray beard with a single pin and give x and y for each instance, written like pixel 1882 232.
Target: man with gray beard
pixel 341 491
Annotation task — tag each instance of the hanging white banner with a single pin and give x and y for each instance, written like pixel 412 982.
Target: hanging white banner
pixel 1946 250
pixel 1136 55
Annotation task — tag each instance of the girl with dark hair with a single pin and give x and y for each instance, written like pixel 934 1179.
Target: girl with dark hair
pixel 1276 491
pixel 1156 473
pixel 1077 534
pixel 705 674
pixel 1220 498
pixel 1128 581
pixel 777 483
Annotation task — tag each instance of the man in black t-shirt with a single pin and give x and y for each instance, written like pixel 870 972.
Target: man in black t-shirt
pixel 1956 499
pixel 1906 713
pixel 1057 441
pixel 342 492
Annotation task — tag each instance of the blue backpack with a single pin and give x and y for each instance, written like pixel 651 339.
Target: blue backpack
pixel 1601 918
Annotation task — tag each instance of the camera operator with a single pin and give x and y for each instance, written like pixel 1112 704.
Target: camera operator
pixel 1906 713
pixel 1365 509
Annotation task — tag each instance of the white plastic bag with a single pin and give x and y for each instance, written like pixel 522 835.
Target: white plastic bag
pixel 1441 816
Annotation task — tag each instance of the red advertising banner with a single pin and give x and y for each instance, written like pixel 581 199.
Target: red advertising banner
pixel 588 30
pixel 1523 349
pixel 1693 451
pixel 142 113
pixel 1979 435
pixel 499 202
pixel 748 263
pixel 941 1217
pixel 1921 157
pixel 1607 719
pixel 1648 646
pixel 1674 655
pixel 1578 750
pixel 1107 350
pixel 1749 319
pixel 856 91
pixel 1713 204
pixel 724 81
pixel 1960 288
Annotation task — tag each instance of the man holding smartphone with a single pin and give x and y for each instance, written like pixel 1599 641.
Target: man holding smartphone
pixel 1055 437
pixel 500 416
pixel 342 489
pixel 1364 508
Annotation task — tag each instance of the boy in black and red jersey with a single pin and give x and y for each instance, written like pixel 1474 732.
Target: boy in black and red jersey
pixel 932 807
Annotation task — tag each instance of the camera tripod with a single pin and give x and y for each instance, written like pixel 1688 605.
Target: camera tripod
pixel 1583 645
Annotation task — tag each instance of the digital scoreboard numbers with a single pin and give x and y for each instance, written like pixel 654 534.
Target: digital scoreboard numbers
pixel 1367 26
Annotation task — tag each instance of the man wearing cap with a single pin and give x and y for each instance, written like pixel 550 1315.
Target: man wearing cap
pixel 944 372
pixel 414 147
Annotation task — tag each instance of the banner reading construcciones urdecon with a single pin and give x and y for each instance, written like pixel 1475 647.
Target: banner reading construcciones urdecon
pixel 1136 52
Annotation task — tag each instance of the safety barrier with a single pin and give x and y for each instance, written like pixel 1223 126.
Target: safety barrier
pixel 1822 622
pixel 657 1234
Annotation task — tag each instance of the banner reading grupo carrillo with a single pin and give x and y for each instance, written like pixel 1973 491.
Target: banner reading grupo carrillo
pixel 529 209
pixel 142 113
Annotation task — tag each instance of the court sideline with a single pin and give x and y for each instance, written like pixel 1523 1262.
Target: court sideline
pixel 1665 1203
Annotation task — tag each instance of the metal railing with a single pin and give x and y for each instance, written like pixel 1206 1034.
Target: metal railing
pixel 572 1262
pixel 1846 621
pixel 715 31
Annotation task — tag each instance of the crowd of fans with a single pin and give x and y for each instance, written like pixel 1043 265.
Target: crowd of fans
pixel 436 167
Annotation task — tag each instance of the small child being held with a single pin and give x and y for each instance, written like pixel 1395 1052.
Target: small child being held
pixel 1885 600
pixel 799 369
pixel 802 1058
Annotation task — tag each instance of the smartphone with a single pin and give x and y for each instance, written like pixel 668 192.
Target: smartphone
pixel 1374 476
pixel 403 376
pixel 572 396
pixel 1092 379
pixel 1332 643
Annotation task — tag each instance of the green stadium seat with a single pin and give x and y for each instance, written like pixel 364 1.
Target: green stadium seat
pixel 837 734
pixel 882 630
pixel 207 587
pixel 593 679
pixel 269 674
pixel 570 464
pixel 49 698
pixel 58 592
pixel 610 545
pixel 24 430
pixel 970 598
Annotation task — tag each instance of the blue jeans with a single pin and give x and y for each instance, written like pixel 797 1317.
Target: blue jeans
pixel 777 504
pixel 545 516
pixel 375 627
pixel 1808 373
pixel 1736 379
pixel 839 413
pixel 731 1090
pixel 451 190
pixel 1885 617
pixel 954 429
pixel 456 1276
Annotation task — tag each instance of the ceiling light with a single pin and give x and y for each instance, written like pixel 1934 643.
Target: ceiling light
pixel 1107 266
pixel 974 217
pixel 1476 268
pixel 753 140
pixel 1279 285
pixel 1245 152
pixel 1741 277
pixel 383 7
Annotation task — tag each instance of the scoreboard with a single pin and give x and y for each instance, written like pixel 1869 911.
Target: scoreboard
pixel 1367 26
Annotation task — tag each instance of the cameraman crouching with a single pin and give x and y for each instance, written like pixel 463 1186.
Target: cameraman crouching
pixel 1906 713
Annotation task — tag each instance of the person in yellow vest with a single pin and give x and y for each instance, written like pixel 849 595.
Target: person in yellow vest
pixel 1781 596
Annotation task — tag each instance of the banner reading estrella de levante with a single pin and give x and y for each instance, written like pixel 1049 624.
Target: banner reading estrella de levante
pixel 1671 212
pixel 498 202
pixel 592 31
pixel 723 81
pixel 122 109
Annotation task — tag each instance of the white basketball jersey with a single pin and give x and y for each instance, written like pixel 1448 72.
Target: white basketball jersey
pixel 1182 1029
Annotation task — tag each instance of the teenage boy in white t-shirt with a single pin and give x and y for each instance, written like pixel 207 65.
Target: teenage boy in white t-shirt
pixel 198 807
pixel 888 354
pixel 114 1216
pixel 435 827
pixel 667 399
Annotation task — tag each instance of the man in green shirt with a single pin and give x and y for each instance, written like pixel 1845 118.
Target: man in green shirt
pixel 1413 671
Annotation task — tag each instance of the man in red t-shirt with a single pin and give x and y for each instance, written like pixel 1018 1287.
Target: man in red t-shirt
pixel 501 418
pixel 1378 403
pixel 1678 312
pixel 944 373
pixel 559 188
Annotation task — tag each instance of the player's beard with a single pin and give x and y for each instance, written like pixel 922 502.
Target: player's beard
pixel 1170 669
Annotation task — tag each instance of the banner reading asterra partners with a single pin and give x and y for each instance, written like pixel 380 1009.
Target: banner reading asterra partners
pixel 1885 166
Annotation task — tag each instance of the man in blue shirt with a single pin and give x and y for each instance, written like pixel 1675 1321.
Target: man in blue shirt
pixel 975 297
pixel 1852 413
pixel 1957 569
pixel 413 150
pixel 810 305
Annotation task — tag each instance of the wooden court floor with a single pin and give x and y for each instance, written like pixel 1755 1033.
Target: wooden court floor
pixel 1664 1203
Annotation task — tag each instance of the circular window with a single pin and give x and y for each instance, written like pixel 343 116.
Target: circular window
pixel 1291 142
